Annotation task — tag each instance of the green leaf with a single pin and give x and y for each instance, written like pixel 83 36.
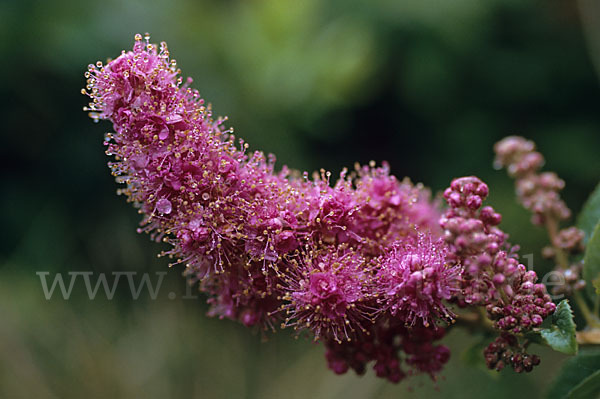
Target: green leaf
pixel 591 261
pixel 560 336
pixel 588 388
pixel 575 376
pixel 596 283
pixel 590 214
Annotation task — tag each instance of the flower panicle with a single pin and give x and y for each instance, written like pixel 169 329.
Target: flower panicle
pixel 539 192
pixel 492 275
pixel 360 264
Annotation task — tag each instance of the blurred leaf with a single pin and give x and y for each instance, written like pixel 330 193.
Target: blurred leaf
pixel 590 214
pixel 560 336
pixel 574 374
pixel 588 388
pixel 473 357
pixel 596 283
pixel 591 261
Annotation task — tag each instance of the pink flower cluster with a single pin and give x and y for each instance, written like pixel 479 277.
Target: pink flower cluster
pixel 359 264
pixel 492 275
pixel 505 350
pixel 539 192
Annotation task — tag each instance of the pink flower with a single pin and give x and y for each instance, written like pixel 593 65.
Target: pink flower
pixel 356 263
pixel 328 293
pixel 415 281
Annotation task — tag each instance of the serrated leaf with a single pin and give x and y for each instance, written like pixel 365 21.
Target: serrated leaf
pixel 590 214
pixel 591 261
pixel 573 374
pixel 560 336
pixel 588 388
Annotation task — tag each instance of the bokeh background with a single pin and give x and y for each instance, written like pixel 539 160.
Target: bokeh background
pixel 428 85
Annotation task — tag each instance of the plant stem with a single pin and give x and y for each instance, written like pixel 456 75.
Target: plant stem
pixel 563 263
pixel 588 337
pixel 590 318
pixel 476 321
pixel 490 273
pixel 559 254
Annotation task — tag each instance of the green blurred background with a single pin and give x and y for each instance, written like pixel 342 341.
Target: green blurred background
pixel 428 85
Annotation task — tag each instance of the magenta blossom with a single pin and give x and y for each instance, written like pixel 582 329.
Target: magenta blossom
pixel 329 293
pixel 360 263
pixel 415 281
